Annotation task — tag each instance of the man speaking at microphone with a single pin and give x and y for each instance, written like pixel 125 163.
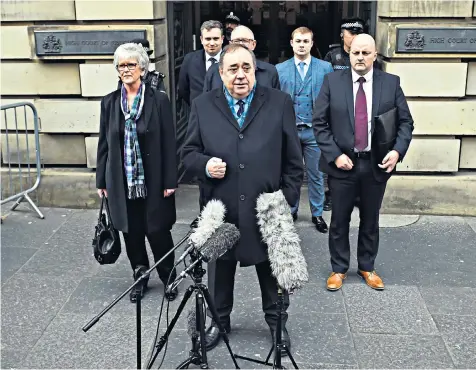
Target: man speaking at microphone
pixel 241 142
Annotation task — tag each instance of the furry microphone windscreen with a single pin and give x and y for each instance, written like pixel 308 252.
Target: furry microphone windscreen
pixel 192 322
pixel 284 250
pixel 223 239
pixel 212 216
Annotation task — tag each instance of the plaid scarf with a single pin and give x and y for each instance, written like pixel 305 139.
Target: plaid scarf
pixel 132 156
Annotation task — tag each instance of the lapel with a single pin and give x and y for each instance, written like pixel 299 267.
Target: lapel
pixel 349 95
pixel 118 118
pixel 376 92
pixel 256 104
pixel 202 68
pixel 148 106
pixel 222 104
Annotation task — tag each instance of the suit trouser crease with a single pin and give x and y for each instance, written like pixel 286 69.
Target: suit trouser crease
pixel 160 242
pixel 312 154
pixel 344 190
pixel 224 283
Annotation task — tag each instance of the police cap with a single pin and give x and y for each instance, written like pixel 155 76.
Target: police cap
pixel 145 44
pixel 354 25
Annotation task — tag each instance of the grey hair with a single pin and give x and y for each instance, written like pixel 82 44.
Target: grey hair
pixel 232 48
pixel 241 27
pixel 208 25
pixel 132 51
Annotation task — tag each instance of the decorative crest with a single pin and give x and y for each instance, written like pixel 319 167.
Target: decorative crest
pixel 414 41
pixel 52 44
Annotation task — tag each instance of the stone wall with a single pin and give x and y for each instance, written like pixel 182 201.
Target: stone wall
pixel 66 90
pixel 441 88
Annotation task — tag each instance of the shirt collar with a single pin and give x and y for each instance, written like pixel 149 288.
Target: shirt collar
pixel 235 101
pixel 368 76
pixel 307 61
pixel 208 56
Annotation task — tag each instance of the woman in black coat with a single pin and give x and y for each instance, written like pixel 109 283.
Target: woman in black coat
pixel 136 165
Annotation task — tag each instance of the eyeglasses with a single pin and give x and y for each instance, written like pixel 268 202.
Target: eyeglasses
pixel 241 41
pixel 130 67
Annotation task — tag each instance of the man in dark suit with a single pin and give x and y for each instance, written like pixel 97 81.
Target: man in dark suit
pixel 196 63
pixel 242 141
pixel 266 74
pixel 343 123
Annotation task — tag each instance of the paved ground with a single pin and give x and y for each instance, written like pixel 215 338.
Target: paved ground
pixel 426 317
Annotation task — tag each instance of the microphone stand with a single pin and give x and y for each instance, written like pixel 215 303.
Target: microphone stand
pixel 140 280
pixel 198 353
pixel 278 346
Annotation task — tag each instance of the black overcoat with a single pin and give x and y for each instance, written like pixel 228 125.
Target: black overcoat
pixel 156 133
pixel 263 156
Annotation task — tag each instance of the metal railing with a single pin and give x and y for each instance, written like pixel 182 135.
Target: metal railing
pixel 19 137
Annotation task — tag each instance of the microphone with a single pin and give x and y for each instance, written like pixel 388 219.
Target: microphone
pixel 275 222
pixel 192 323
pixel 211 217
pixel 222 240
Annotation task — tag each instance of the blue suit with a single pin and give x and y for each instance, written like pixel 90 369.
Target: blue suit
pixel 292 84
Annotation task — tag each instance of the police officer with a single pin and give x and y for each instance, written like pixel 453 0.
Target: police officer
pixel 154 79
pixel 231 22
pixel 338 56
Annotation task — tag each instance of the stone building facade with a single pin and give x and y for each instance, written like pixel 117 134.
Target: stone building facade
pixel 437 176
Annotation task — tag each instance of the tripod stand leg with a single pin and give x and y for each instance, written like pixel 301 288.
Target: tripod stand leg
pixel 200 327
pixel 163 338
pixel 216 318
pixel 138 325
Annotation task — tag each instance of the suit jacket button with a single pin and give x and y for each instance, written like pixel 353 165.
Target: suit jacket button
pixel 241 136
pixel 242 166
pixel 242 197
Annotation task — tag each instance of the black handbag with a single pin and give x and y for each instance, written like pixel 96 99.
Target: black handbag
pixel 106 242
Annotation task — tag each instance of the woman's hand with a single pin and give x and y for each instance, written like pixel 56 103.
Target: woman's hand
pixel 101 192
pixel 168 192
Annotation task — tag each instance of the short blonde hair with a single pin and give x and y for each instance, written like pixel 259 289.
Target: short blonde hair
pixel 132 51
pixel 302 30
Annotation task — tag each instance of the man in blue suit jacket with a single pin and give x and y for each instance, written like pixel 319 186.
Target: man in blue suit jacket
pixel 302 77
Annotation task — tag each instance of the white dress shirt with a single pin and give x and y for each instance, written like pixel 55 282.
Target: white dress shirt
pixel 367 85
pixel 207 59
pixel 307 63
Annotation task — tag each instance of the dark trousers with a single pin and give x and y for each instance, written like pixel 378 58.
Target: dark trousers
pixel 224 275
pixel 360 183
pixel 160 242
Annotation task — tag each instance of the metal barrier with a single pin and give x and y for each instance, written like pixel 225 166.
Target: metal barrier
pixel 22 156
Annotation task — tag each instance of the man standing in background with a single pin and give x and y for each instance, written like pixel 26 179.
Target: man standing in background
pixel 344 126
pixel 302 77
pixel 196 63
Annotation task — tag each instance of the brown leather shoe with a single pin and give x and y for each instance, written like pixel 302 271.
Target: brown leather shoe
pixel 372 279
pixel 335 280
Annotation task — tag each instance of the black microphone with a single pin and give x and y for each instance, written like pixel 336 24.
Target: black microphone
pixel 275 222
pixel 223 239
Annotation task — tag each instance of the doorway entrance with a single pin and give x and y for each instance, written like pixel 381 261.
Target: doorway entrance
pixel 272 22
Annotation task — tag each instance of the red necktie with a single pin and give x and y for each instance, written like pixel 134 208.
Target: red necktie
pixel 361 118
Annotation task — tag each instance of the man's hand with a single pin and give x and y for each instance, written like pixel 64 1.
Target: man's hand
pixel 102 192
pixel 343 162
pixel 390 161
pixel 168 192
pixel 216 168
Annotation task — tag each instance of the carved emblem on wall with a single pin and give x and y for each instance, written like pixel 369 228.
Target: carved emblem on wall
pixel 52 44
pixel 414 41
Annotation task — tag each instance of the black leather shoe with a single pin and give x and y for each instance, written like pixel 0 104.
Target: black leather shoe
pixel 212 335
pixel 328 203
pixel 171 295
pixel 321 225
pixel 294 216
pixel 139 289
pixel 284 339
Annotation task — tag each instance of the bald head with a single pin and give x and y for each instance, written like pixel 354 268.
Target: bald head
pixel 362 53
pixel 244 36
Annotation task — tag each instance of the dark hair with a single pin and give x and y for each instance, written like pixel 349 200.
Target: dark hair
pixel 232 48
pixel 208 25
